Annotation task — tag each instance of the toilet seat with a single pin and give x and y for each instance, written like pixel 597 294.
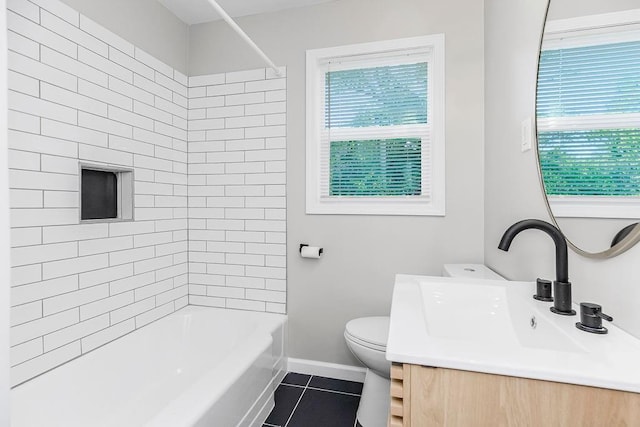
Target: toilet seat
pixel 370 332
pixel 368 345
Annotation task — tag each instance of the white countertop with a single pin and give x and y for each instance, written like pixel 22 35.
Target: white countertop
pixel 457 334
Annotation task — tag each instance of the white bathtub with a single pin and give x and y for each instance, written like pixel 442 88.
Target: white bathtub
pixel 197 367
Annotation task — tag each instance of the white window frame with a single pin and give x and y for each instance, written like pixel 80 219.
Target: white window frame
pixel 579 32
pixel 431 49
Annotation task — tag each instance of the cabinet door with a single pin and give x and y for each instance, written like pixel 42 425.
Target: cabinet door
pixel 447 397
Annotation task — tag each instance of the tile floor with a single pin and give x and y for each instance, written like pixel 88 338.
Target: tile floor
pixel 311 401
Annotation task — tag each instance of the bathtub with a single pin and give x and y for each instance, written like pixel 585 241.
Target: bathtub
pixel 199 366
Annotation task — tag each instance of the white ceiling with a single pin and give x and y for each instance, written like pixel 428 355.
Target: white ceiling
pixel 199 11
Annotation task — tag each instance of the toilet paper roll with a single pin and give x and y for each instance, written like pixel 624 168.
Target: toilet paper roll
pixel 310 252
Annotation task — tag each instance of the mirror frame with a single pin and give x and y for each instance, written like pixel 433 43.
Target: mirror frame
pixel 625 244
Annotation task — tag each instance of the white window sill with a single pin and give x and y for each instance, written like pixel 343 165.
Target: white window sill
pixel 377 207
pixel 595 207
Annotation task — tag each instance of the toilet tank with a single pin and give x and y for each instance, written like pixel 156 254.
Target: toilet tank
pixel 476 271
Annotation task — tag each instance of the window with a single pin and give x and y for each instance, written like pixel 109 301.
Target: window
pixel 375 128
pixel 105 194
pixel 588 109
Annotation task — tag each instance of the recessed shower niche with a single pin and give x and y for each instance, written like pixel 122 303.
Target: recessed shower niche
pixel 106 194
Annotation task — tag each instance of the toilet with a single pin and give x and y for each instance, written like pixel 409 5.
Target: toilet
pixel 367 337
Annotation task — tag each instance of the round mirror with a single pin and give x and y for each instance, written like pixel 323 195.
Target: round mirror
pixel 588 122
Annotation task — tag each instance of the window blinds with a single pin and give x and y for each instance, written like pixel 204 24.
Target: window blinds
pixel 378 96
pixel 376 122
pixel 389 167
pixel 588 109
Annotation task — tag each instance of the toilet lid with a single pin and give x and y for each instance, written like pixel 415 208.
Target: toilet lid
pixel 373 330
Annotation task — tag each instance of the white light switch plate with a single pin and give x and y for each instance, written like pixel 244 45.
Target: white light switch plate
pixel 526 134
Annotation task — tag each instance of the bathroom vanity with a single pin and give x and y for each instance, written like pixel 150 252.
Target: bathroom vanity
pixel 426 396
pixel 470 352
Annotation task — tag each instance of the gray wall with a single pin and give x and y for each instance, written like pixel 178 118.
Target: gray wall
pixel 144 23
pixel 511 181
pixel 355 276
pixel 571 8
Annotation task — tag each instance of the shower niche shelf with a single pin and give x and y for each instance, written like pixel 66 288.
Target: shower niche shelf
pixel 106 193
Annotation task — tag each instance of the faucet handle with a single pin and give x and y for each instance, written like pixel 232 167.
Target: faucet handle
pixel 543 290
pixel 606 317
pixel 591 316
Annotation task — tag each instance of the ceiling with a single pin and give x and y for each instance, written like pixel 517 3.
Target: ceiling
pixel 199 11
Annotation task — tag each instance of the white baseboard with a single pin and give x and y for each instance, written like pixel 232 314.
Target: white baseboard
pixel 325 369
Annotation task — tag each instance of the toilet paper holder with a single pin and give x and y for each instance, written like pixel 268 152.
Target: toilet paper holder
pixel 302 245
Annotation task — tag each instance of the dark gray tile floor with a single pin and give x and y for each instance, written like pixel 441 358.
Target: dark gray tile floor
pixel 311 401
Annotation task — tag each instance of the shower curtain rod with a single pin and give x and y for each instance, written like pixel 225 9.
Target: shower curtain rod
pixel 244 35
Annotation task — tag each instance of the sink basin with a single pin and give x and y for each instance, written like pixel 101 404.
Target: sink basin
pixel 495 326
pixel 490 313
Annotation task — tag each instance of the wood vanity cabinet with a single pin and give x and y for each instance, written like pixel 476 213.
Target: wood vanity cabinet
pixel 422 396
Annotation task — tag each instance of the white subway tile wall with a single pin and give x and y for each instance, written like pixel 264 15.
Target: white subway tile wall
pixel 80 93
pixel 237 190
pixel 208 154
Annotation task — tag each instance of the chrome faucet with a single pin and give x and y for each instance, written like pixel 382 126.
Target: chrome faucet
pixel 561 286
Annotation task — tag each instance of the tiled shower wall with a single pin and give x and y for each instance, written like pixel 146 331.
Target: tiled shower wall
pixel 80 93
pixel 237 185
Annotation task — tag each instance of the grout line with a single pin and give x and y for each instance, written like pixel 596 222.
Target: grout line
pixel 293 385
pixel 334 391
pixel 298 402
pixel 322 389
pixel 294 409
